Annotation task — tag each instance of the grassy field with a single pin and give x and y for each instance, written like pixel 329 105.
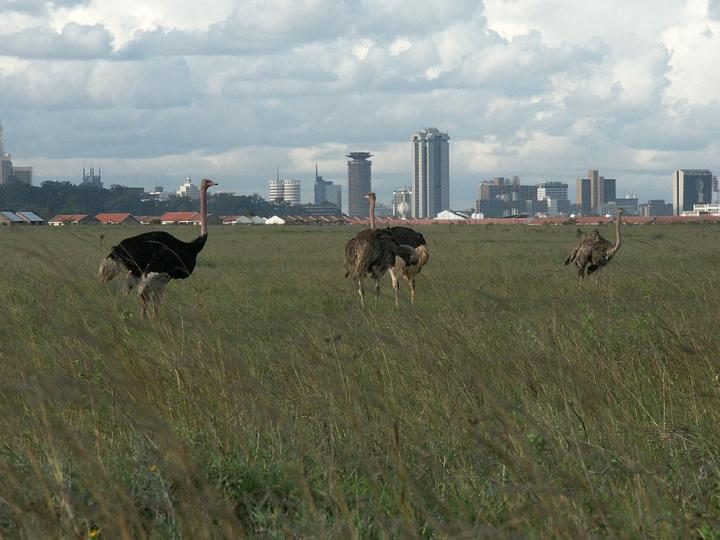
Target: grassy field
pixel 509 401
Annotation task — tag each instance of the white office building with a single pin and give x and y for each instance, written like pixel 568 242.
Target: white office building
pixel 431 173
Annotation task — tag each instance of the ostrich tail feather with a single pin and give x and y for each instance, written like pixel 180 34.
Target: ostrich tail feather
pixel 362 259
pixel 109 269
pixel 423 254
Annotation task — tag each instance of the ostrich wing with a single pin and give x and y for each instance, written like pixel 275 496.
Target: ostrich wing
pixel 408 255
pixel 407 237
pixel 159 252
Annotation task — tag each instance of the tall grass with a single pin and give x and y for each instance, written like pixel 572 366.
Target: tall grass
pixel 509 401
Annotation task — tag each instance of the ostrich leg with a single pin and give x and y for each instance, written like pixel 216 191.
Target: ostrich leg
pixel 412 290
pixel 396 286
pixel 361 292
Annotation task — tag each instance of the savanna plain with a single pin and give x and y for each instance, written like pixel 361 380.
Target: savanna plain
pixel 509 401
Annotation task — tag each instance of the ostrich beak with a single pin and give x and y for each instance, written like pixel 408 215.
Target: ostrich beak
pixel 366 196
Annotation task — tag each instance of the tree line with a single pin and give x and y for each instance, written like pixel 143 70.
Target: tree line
pixel 51 198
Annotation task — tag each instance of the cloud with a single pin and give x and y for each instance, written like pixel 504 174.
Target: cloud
pixel 74 41
pixel 36 7
pixel 540 89
pixel 714 9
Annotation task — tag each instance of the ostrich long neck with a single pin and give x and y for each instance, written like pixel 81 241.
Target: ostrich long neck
pixel 618 238
pixel 372 212
pixel 203 211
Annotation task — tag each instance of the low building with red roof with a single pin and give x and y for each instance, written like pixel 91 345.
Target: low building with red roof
pixel 117 219
pixel 72 219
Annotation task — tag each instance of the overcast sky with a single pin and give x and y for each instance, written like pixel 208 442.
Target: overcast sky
pixel 543 89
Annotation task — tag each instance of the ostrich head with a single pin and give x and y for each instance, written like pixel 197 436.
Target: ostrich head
pixel 620 211
pixel 370 196
pixel 206 183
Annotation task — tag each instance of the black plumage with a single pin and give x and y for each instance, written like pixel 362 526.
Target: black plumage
pixel 158 252
pixel 413 254
pixel 150 260
pixel 407 237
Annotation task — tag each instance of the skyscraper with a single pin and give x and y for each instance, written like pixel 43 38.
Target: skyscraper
pixel 327 191
pixel 92 179
pixel 597 191
pixel 431 173
pixel 319 187
pixel 582 195
pixel 691 186
pixel 593 192
pixel 359 183
pixel 6 169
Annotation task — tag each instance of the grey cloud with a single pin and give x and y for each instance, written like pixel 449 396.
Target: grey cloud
pixel 524 66
pixel 75 41
pixel 38 7
pixel 264 26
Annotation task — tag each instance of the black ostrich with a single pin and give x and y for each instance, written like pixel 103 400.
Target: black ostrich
pixel 412 255
pixel 372 251
pixel 152 259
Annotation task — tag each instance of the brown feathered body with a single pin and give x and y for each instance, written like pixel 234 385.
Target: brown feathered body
pixel 593 251
pixel 371 251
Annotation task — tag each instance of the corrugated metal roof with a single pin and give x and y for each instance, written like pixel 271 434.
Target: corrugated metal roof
pixel 12 217
pixel 30 216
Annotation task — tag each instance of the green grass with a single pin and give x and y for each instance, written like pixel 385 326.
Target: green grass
pixel 509 401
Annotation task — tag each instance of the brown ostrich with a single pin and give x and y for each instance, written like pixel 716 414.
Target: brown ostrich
pixel 372 251
pixel 593 252
pixel 150 260
pixel 413 254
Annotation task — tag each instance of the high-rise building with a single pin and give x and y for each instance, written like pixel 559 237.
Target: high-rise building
pixel 319 187
pixel 359 183
pixel 582 195
pixel 189 190
pixel 284 190
pixel 402 202
pixel 23 175
pixel 291 190
pixel 92 179
pixel 501 197
pixel 555 194
pixel 552 190
pixel 431 173
pixel 276 191
pixel 333 195
pixel 327 191
pixel 690 187
pixel 6 169
pixel 593 192
pixel 597 191
pixel 609 190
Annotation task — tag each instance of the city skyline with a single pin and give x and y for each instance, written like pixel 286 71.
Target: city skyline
pixel 152 91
